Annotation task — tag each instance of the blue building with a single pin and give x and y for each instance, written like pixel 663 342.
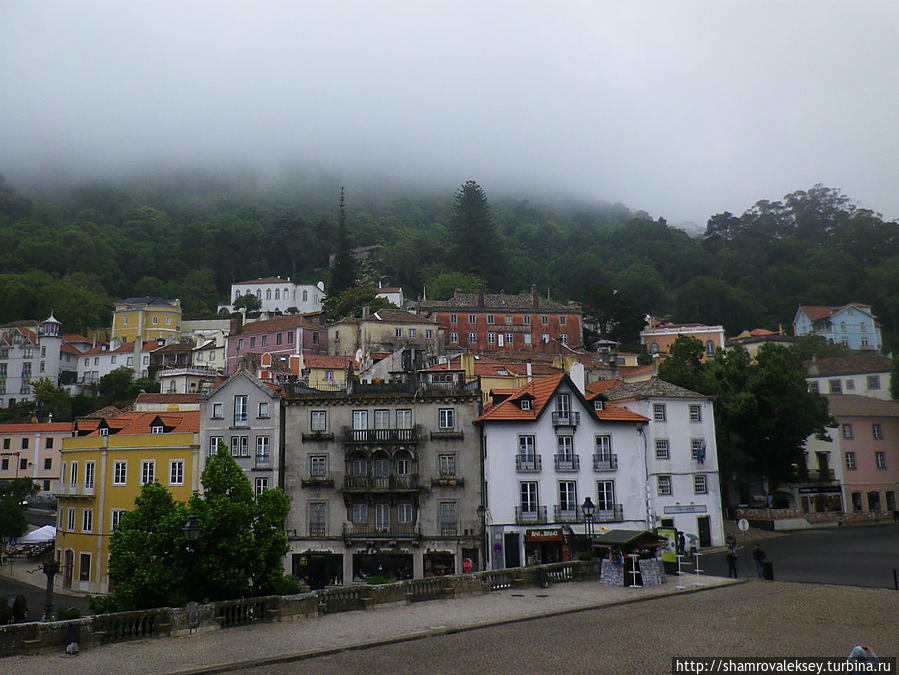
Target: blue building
pixel 852 325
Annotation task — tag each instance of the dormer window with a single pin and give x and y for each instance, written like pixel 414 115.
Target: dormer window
pixel 103 431
pixel 599 404
pixel 157 429
pixel 525 404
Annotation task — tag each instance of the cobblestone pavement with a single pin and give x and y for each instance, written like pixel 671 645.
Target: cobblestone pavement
pixel 255 645
pixel 752 619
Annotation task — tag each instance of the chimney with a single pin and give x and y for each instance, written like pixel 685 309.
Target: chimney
pixel 529 372
pixel 481 295
pixel 236 323
pixel 577 374
pixel 533 295
pixel 138 349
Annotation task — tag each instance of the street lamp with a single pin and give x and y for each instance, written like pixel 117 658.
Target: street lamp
pixel 192 532
pixel 588 508
pixel 51 569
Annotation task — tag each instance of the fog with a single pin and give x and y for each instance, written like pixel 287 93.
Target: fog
pixel 683 109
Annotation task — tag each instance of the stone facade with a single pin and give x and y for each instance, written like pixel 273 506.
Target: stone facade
pixel 384 481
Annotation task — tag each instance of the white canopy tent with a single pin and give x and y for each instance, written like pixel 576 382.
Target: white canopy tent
pixel 39 536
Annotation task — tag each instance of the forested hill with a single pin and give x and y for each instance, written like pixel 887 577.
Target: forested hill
pixel 76 249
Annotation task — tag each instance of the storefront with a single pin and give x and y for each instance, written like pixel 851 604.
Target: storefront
pixel 439 563
pixel 546 545
pixel 384 564
pixel 318 569
pixel 820 498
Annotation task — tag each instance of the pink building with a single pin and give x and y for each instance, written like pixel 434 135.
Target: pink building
pixel 868 437
pixel 282 335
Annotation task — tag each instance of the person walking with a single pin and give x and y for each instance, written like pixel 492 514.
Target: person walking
pixel 731 563
pixel 759 556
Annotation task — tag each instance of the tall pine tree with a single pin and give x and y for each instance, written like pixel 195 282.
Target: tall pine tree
pixel 476 242
pixel 343 274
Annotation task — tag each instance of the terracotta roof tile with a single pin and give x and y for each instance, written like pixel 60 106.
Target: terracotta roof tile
pixel 278 323
pixel 167 398
pixel 850 405
pixel 41 427
pixel 601 387
pixel 848 365
pixel 264 280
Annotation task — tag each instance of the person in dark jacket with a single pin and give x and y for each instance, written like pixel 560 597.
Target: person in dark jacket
pixel 759 556
pixel 731 563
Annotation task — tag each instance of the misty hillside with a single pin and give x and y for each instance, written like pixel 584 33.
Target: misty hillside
pixel 74 248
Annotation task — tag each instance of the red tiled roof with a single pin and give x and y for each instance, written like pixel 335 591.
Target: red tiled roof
pixel 140 422
pixel 42 427
pixel 71 337
pixel 326 361
pixel 636 370
pixel 69 349
pixel 818 312
pixel 167 398
pixel 542 390
pixel 600 387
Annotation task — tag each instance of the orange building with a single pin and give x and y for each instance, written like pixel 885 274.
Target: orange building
pixel 659 335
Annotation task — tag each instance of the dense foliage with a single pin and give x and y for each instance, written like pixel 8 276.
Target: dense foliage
pixel 763 410
pixel 13 521
pixel 239 552
pixel 75 249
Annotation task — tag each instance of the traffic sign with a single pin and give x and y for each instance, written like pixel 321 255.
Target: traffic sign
pixel 743 525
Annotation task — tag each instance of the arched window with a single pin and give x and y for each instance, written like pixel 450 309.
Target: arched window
pixel 305 296
pixel 653 348
pixel 268 293
pixel 236 294
pixel 259 294
pixel 286 294
pixel 277 294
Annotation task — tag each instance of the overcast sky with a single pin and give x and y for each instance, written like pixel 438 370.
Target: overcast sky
pixel 683 109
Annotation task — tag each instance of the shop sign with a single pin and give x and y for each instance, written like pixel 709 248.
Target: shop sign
pixel 545 534
pixel 823 489
pixel 686 508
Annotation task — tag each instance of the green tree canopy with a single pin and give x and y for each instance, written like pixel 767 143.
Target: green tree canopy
pixel 352 301
pixel 475 240
pixel 249 302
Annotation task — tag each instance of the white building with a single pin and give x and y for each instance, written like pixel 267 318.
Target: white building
pixel 862 375
pixel 684 485
pixel 280 295
pixel 30 351
pixel 100 361
pixel 546 448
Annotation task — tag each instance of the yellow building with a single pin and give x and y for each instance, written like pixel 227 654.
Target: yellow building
pixel 147 317
pixel 103 468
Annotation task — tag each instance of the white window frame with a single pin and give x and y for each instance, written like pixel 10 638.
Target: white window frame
pixel 318 420
pixel 880 460
pixel 89 473
pixel 659 413
pixel 446 464
pixel 120 472
pixel 695 413
pixel 176 472
pixel 663 485
pixel 87 520
pixel 663 449
pixel 147 471
pixel 260 485
pixel 214 444
pixel 115 517
pixel 240 410
pixel 262 410
pixel 318 466
pixel 700 484
pixel 851 464
pixel 446 419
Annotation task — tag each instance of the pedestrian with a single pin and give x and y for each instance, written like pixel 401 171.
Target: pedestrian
pixel 759 556
pixel 731 541
pixel 863 653
pixel 731 563
pixel 681 543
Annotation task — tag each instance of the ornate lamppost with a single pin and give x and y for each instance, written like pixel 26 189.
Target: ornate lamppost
pixel 588 508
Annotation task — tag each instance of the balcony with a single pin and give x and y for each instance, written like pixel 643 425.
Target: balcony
pixel 449 529
pixel 318 531
pixel 605 462
pixel 567 515
pixel 263 462
pixel 612 515
pixel 528 463
pixel 405 531
pixel 78 490
pixel 536 514
pixel 567 462
pixel 318 436
pixel 380 436
pixel 320 481
pixel 381 483
pixel 448 481
pixel 820 475
pixel 566 419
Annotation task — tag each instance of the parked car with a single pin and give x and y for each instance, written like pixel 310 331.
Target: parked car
pixel 13 609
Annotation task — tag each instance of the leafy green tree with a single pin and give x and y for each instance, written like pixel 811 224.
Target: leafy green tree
pixel 343 274
pixel 249 302
pixel 445 284
pixel 148 552
pixel 52 399
pixel 116 387
pixel 894 378
pixel 270 542
pixel 807 347
pixel 684 367
pixel 352 301
pixel 476 242
pixel 13 521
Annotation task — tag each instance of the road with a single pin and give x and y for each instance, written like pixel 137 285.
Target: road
pixel 752 619
pixel 35 595
pixel 850 556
